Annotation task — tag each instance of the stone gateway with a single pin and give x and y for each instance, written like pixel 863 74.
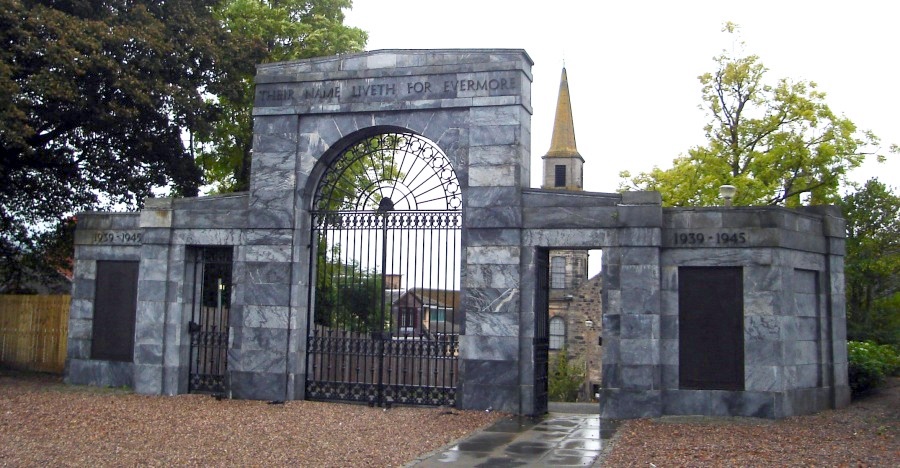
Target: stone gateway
pixel 322 282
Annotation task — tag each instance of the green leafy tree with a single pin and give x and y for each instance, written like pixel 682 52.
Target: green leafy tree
pixel 872 263
pixel 565 377
pixel 94 97
pixel 348 296
pixel 269 31
pixel 776 142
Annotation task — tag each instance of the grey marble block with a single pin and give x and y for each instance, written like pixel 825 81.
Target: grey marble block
pixel 262 360
pixel 764 378
pixel 78 348
pixel 489 348
pixel 495 397
pixel 266 316
pixel 685 402
pixel 762 327
pixel 257 385
pixel 482 372
pixel 149 290
pixel 148 379
pixel 639 351
pixel 80 329
pixel 764 352
pixel 99 373
pixel 267 294
pixel 640 377
pixel 148 354
pixel 494 217
pixel 640 326
pixel 628 404
pixel 486 197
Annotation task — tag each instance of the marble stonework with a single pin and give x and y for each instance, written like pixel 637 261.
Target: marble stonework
pixel 475 105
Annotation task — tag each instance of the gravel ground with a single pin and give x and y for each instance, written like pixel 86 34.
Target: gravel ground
pixel 867 433
pixel 46 423
pixel 43 422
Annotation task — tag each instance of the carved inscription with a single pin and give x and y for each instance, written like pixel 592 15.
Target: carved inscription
pixel 276 94
pixel 374 90
pixel 418 89
pixel 480 85
pixel 322 93
pixel 116 237
pixel 709 239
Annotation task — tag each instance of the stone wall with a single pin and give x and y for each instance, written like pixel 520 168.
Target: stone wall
pixel 475 105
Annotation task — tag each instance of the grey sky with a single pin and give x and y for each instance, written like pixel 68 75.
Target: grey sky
pixel 633 66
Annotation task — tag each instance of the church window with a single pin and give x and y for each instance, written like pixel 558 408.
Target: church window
pixel 557 332
pixel 558 273
pixel 560 179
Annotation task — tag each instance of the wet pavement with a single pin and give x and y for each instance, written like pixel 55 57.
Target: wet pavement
pixel 554 440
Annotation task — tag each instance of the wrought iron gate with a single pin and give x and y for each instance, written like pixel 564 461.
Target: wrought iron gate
pixel 541 340
pixel 385 323
pixel 209 320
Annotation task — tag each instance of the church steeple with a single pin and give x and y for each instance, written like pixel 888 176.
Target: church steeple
pixel 562 145
pixel 563 165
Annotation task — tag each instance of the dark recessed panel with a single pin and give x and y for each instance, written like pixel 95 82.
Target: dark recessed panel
pixel 711 328
pixel 115 304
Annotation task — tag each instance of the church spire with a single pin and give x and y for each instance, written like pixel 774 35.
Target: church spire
pixel 562 144
pixel 563 165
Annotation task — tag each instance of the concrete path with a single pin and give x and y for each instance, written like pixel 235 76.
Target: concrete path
pixel 557 439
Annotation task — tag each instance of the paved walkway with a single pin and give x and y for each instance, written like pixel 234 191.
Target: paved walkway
pixel 557 439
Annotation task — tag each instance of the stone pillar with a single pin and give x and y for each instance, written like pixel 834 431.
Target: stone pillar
pixel 835 230
pixel 632 369
pixel 258 367
pixel 493 266
pixel 155 364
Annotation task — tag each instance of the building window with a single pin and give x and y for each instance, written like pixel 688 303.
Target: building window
pixel 560 179
pixel 408 317
pixel 558 273
pixel 437 314
pixel 557 333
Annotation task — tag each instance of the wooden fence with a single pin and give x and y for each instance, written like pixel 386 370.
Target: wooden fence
pixel 33 331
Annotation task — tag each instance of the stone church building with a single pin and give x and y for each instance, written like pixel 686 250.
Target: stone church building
pixel 415 166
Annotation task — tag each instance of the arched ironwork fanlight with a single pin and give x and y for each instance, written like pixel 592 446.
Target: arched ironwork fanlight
pixel 389 172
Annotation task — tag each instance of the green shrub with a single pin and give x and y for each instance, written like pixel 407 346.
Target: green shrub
pixel 870 364
pixel 565 378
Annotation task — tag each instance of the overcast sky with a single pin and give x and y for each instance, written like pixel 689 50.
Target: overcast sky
pixel 633 65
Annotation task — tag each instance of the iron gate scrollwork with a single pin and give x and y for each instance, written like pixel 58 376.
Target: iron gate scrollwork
pixel 385 319
pixel 208 327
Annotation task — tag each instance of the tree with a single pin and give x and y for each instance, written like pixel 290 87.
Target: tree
pixel 97 96
pixel 777 143
pixel 565 377
pixel 348 296
pixel 94 96
pixel 872 263
pixel 270 31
